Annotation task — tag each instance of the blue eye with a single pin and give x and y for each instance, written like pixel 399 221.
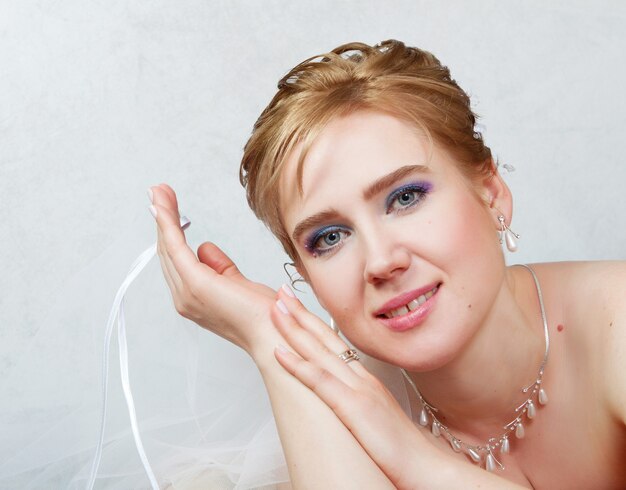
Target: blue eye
pixel 326 240
pixel 407 196
pixel 331 238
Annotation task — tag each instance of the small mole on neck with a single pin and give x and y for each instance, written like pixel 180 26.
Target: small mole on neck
pixel 560 327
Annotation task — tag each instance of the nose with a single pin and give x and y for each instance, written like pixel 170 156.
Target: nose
pixel 385 259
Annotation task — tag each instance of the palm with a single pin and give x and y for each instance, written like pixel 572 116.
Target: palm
pixel 208 288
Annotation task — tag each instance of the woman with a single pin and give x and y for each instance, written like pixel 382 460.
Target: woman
pixel 367 167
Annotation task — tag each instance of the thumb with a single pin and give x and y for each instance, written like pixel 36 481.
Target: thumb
pixel 211 255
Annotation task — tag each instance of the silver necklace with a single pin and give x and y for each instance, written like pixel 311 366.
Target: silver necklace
pixel 485 453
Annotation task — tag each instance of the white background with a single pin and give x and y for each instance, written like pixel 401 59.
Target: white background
pixel 101 99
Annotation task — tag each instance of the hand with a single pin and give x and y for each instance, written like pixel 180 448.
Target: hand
pixel 209 289
pixel 357 397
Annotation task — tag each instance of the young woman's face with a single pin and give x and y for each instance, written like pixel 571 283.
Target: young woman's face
pixel 396 243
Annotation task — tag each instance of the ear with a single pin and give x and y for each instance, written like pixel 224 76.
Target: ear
pixel 497 196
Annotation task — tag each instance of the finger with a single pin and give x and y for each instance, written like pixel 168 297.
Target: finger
pixel 167 266
pixel 163 195
pixel 328 387
pixel 316 327
pixel 350 405
pixel 211 255
pixel 169 271
pixel 310 348
pixel 171 276
pixel 175 247
pixel 188 275
pixel 169 194
pixel 311 322
pixel 208 253
pixel 371 415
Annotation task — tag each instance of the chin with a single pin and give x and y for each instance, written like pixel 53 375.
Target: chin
pixel 415 355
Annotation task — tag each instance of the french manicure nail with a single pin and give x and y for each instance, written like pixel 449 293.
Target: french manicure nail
pixel 282 307
pixel 150 195
pixel 288 291
pixel 153 211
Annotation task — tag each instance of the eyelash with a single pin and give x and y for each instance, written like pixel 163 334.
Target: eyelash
pixel 311 243
pixel 421 189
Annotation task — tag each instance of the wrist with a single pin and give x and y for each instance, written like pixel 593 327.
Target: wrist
pixel 262 350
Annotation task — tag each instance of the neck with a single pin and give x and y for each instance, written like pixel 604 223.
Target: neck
pixel 478 391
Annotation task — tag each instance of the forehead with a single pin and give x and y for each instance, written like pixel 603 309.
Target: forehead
pixel 351 152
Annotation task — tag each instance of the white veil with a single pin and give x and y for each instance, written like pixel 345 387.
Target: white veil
pixel 208 419
pixel 203 413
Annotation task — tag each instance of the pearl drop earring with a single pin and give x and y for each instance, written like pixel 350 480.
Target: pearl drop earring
pixel 507 235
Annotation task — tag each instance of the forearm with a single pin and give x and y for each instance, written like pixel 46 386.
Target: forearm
pixel 366 430
pixel 321 452
pixel 432 469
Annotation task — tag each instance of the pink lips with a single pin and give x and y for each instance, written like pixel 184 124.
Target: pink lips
pixel 413 318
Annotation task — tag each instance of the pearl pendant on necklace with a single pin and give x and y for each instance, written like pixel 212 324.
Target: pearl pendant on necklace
pixel 535 392
pixel 475 455
pixel 543 397
pixel 504 446
pixel 456 445
pixel 423 418
pixel 531 411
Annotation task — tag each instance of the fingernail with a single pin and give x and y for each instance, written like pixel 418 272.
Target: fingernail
pixel 288 291
pixel 282 307
pixel 153 211
pixel 281 348
pixel 150 194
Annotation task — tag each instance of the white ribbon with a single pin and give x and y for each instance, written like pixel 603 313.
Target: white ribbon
pixel 117 316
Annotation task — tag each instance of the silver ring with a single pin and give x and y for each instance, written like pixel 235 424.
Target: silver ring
pixel 349 355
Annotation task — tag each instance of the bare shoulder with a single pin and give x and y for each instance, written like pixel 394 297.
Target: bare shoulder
pixel 614 330
pixel 592 296
pixel 597 286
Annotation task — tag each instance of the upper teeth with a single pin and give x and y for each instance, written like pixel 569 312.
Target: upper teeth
pixel 412 305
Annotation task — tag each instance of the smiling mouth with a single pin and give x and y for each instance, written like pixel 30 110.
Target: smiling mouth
pixel 411 305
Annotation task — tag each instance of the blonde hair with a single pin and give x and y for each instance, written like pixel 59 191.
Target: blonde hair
pixel 406 82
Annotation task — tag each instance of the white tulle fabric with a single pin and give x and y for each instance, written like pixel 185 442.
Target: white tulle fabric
pixel 203 414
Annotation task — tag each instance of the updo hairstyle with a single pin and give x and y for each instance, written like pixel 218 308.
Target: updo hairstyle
pixel 408 83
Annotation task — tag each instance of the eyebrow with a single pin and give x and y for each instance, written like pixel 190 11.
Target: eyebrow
pixel 385 181
pixel 313 221
pixel 372 190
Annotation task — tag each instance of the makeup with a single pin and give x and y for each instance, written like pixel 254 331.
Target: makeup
pixel 325 239
pixel 410 309
pixel 407 196
pixel 400 200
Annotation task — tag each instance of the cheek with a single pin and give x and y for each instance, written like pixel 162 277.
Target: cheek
pixel 473 258
pixel 468 232
pixel 337 285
